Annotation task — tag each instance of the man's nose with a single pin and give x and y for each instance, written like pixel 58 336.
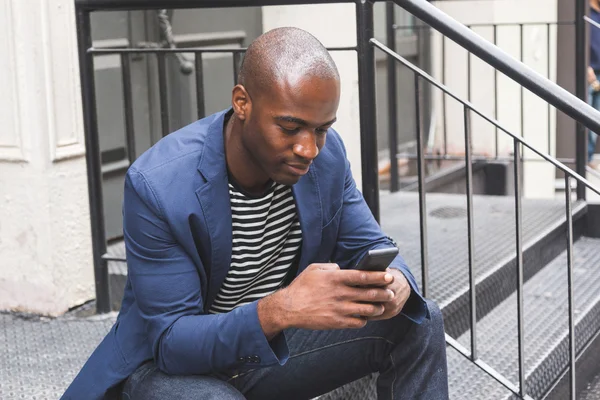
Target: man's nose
pixel 307 147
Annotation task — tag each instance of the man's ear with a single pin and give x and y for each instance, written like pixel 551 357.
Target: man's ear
pixel 242 105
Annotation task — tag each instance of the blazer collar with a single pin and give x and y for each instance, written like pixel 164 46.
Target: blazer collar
pixel 212 161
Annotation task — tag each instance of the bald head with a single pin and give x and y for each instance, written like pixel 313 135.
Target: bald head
pixel 285 55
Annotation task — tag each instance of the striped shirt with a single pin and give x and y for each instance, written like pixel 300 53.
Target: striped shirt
pixel 266 240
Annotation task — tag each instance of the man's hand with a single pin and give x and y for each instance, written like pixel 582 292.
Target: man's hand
pixel 591 75
pixel 401 290
pixel 325 297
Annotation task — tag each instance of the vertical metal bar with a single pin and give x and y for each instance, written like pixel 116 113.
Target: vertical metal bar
pixel 392 105
pixel 163 94
pixel 496 94
pixel 421 178
pixel 366 94
pixel 93 161
pixel 580 91
pixel 444 95
pixel 572 354
pixel 200 106
pixel 469 76
pixel 236 67
pixel 549 111
pixel 519 259
pixel 522 88
pixel 470 233
pixel 128 106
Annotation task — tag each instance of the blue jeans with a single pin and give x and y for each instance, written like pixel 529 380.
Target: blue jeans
pixel 594 101
pixel 410 359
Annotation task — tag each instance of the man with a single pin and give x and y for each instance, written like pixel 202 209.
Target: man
pixel 592 72
pixel 242 230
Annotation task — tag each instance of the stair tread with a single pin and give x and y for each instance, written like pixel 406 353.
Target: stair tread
pixel 545 325
pixel 494 234
pixel 592 391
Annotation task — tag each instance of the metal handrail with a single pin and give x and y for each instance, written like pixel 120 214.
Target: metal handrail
pixel 503 62
pixel 113 5
pixel 571 105
pixel 491 120
pixel 468 108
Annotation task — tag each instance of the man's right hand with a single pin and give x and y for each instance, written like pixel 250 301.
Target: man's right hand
pixel 591 75
pixel 326 297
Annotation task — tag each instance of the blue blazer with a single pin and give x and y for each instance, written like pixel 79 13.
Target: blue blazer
pixel 177 230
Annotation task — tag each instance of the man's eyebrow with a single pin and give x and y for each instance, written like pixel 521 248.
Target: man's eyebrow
pixel 299 121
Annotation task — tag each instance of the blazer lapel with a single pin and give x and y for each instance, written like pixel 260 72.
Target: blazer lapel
pixel 213 196
pixel 308 206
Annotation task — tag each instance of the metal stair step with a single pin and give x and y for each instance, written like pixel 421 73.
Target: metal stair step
pixel 592 391
pixel 545 325
pixel 544 224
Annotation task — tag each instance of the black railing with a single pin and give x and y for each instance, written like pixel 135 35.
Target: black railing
pixel 366 44
pixel 495 30
pixel 518 143
pixel 583 114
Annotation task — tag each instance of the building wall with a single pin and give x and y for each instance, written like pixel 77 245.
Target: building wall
pixel 45 247
pixel 538 176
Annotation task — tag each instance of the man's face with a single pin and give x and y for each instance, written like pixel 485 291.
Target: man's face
pixel 287 126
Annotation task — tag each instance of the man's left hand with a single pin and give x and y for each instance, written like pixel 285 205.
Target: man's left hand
pixel 401 290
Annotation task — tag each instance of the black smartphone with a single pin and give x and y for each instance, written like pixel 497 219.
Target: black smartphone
pixel 377 260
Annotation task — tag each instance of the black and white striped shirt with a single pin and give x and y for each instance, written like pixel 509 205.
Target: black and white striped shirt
pixel 266 240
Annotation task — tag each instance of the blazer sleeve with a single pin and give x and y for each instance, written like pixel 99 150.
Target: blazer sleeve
pixel 359 232
pixel 166 286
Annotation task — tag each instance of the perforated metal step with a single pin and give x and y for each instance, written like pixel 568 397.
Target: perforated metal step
pixel 592 392
pixel 39 357
pixel 545 325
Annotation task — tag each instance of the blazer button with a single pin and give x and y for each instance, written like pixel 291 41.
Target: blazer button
pixel 256 359
pixel 242 359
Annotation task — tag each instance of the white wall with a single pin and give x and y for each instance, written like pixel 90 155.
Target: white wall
pixel 335 26
pixel 538 176
pixel 45 247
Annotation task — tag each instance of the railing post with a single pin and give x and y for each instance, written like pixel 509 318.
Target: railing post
pixel 392 104
pixel 572 353
pixel 580 92
pixel 422 190
pixel 366 94
pixel 93 161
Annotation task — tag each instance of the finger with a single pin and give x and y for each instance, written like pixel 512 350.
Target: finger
pixel 324 267
pixel 354 277
pixel 384 316
pixel 354 322
pixel 364 310
pixel 366 294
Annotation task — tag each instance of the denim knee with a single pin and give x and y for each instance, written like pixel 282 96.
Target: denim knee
pixel 434 327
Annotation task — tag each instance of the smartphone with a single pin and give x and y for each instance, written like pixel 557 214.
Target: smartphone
pixel 377 260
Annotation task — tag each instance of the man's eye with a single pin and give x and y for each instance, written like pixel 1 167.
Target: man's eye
pixel 289 131
pixel 322 131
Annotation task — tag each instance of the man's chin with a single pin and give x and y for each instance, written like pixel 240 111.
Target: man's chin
pixel 288 180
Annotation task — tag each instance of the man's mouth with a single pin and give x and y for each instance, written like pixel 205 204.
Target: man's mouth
pixel 298 169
